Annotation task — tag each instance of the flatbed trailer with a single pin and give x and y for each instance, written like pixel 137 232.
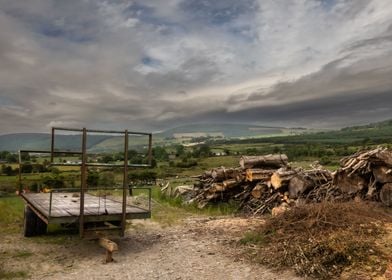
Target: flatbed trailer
pixel 94 212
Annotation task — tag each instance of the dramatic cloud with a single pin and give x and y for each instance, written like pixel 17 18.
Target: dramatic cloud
pixel 148 65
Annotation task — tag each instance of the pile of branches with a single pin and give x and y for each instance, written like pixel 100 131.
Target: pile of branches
pixel 367 174
pixel 324 239
pixel 261 184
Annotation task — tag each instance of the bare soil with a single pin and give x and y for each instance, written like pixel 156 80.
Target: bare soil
pixel 197 248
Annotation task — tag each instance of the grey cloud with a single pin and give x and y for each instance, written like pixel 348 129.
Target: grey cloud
pixel 83 62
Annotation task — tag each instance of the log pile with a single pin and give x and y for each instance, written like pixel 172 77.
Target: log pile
pixel 268 184
pixel 367 174
pixel 259 185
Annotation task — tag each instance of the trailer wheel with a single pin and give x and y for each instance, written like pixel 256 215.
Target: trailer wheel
pixel 40 227
pixel 30 222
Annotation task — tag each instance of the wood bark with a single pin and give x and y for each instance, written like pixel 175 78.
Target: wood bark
pixel 349 183
pixel 258 190
pixel 382 174
pixel 386 194
pixel 272 161
pixel 221 174
pixel 298 185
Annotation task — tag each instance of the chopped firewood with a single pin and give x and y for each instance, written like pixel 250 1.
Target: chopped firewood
pixel 349 183
pixel 258 174
pixel 267 161
pixel 282 177
pixel 266 182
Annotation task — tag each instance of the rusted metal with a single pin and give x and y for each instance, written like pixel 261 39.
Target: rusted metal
pixel 52 146
pixel 83 169
pixel 101 131
pixel 150 149
pixel 20 172
pixel 83 185
pixel 125 183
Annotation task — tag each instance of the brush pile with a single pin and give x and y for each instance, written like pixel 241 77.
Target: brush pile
pixel 367 174
pixel 267 183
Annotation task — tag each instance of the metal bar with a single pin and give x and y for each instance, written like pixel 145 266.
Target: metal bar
pixel 150 149
pixel 20 172
pixel 125 184
pixel 118 132
pixel 149 199
pixel 83 171
pixel 100 131
pixel 67 129
pixel 48 152
pixel 50 205
pixel 98 164
pixel 52 146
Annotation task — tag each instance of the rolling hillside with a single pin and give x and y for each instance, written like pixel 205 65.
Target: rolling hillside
pixel 381 132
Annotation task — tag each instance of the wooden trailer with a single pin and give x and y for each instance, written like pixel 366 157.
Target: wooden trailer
pixel 93 211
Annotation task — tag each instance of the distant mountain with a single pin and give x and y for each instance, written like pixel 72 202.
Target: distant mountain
pixel 380 131
pixel 41 141
pixel 99 143
pixel 225 130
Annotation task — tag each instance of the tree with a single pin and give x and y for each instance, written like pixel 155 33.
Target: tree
pixel 11 158
pixel 6 170
pixel 180 150
pixel 106 159
pixel 160 153
pixel 27 167
pixel 92 178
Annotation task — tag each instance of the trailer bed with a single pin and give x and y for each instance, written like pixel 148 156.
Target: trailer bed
pixel 64 207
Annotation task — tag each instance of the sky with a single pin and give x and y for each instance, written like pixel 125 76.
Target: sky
pixel 153 64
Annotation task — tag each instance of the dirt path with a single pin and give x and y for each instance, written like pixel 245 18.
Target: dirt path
pixel 199 248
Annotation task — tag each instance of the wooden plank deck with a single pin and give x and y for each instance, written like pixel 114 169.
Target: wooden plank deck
pixel 66 207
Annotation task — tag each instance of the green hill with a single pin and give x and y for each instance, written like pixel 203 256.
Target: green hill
pixel 380 132
pixel 226 131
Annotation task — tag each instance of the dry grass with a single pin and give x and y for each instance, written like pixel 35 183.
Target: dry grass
pixel 321 240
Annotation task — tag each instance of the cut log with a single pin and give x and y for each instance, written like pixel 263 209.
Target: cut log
pixel 258 190
pixel 386 194
pixel 258 174
pixel 349 184
pixel 220 174
pixel 230 183
pixel 110 247
pixel 282 177
pixel 272 161
pixel 382 174
pixel 298 185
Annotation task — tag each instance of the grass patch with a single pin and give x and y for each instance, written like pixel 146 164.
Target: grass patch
pixel 22 254
pixel 322 240
pixel 13 274
pixel 11 214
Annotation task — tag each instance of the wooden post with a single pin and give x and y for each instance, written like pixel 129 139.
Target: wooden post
pixel 110 247
pixel 150 149
pixel 83 178
pixel 125 184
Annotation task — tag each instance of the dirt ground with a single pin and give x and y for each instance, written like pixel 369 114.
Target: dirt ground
pixel 197 248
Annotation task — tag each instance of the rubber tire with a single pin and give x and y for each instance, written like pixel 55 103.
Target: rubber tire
pixel 30 222
pixel 41 227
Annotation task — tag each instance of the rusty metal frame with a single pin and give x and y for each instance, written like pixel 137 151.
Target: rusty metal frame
pixel 84 164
